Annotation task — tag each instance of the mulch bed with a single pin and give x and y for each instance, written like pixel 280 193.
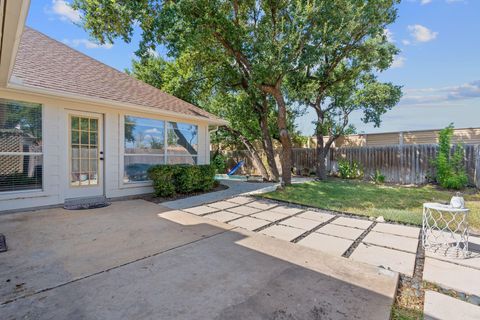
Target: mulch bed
pixel 155 199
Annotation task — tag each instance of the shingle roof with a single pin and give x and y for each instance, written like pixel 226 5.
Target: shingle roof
pixel 45 63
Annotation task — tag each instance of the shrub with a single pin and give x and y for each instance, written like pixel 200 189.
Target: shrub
pixel 378 177
pixel 219 162
pixel 171 179
pixel 450 172
pixel 347 170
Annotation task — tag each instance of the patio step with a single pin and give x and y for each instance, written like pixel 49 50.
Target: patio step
pixel 85 203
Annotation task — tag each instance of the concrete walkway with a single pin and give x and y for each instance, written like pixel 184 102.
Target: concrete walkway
pixel 390 246
pixel 138 260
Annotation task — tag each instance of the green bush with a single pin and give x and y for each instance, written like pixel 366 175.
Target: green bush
pixel 171 179
pixel 378 177
pixel 219 162
pixel 347 170
pixel 450 172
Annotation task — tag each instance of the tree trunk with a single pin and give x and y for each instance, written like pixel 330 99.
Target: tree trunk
pixel 284 136
pixel 320 154
pixel 253 153
pixel 268 146
pixel 321 169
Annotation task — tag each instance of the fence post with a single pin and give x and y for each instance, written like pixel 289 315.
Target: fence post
pixel 477 166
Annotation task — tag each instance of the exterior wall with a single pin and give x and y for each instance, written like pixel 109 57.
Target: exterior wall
pixel 55 151
pixel 467 136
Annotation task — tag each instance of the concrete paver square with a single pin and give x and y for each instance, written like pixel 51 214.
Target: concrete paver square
pixel 442 307
pixel 249 223
pixel 241 200
pixel 473 260
pixel 244 210
pixel 200 210
pixel 388 258
pixel 340 231
pixel 283 232
pixel 392 241
pixel 397 229
pixel 300 223
pixel 222 205
pixel 223 216
pixel 270 215
pixel 452 276
pixel 352 222
pixel 286 210
pixel 261 204
pixel 325 243
pixel 317 216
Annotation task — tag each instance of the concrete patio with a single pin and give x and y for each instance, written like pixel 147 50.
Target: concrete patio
pixel 390 246
pixel 138 260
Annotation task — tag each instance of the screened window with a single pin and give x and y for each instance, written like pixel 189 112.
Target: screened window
pixel 150 142
pixel 21 154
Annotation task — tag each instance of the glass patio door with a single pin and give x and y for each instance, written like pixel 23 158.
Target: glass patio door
pixel 85 154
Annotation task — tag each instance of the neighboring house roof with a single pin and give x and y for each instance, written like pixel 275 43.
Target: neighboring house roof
pixel 45 63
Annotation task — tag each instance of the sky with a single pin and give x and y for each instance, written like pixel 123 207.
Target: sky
pixel 438 67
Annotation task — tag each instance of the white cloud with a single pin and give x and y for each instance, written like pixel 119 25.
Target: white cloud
pixel 464 91
pixel 153 130
pixel 398 62
pixel 389 35
pixel 406 42
pixel 64 11
pixel 423 2
pixel 421 33
pixel 87 44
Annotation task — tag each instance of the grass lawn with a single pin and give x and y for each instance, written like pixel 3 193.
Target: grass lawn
pixel 394 203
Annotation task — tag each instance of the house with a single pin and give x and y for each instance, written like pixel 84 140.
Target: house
pixel 72 127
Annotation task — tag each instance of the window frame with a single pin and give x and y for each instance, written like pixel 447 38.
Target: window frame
pixel 165 155
pixel 41 189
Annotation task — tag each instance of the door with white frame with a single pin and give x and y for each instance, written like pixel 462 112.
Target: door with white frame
pixel 85 155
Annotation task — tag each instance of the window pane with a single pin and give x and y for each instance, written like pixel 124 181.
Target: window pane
pixel 20 126
pixel 20 172
pixel 144 136
pixel 181 159
pixel 136 167
pixel 182 139
pixel 20 132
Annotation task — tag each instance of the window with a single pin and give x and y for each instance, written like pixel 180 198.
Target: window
pixel 149 142
pixel 21 157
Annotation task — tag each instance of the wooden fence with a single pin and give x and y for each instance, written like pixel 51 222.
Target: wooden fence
pixel 407 164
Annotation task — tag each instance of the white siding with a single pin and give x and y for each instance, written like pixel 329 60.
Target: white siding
pixel 55 144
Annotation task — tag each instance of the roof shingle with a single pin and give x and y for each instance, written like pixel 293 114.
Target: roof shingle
pixel 43 62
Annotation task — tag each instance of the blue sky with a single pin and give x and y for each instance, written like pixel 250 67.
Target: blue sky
pixel 438 66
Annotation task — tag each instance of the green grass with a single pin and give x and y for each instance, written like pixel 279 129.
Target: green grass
pixel 394 203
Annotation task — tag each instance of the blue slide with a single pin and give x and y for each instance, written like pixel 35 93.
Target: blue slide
pixel 234 169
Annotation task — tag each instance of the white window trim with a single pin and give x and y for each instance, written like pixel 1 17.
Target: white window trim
pixel 165 154
pixel 35 191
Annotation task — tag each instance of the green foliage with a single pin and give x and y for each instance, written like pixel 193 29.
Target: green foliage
pixel 171 179
pixel 378 177
pixel 347 170
pixel 219 162
pixel 450 172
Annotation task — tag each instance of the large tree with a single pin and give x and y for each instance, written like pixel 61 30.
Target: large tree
pixel 346 53
pixel 264 40
pixel 217 88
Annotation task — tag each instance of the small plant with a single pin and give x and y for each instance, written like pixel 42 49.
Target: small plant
pixel 347 170
pixel 219 162
pixel 378 177
pixel 450 170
